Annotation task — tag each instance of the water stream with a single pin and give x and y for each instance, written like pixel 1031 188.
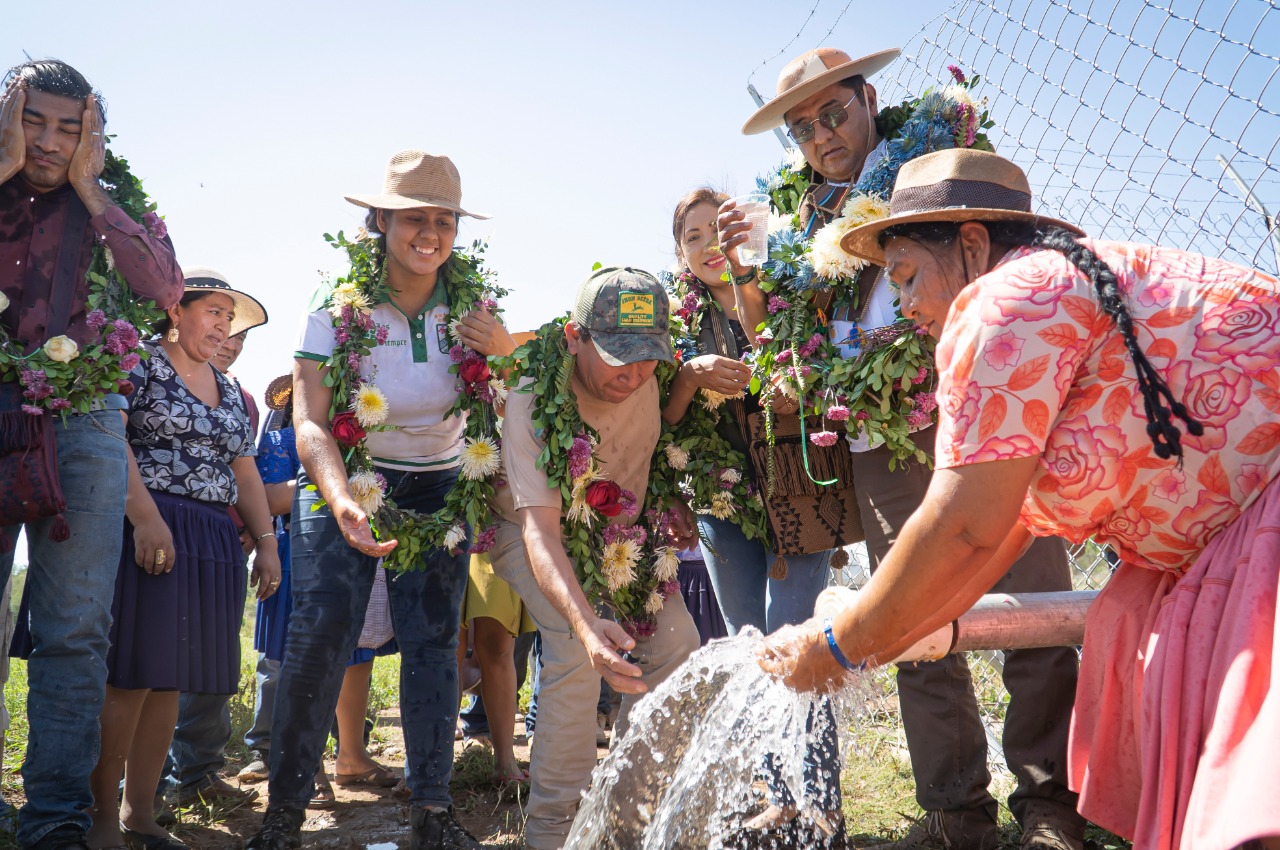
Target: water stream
pixel 707 750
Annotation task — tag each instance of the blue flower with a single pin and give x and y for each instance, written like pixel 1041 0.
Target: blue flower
pixel 788 262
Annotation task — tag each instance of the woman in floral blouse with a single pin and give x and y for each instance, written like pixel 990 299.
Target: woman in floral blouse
pixel 179 595
pixel 1123 392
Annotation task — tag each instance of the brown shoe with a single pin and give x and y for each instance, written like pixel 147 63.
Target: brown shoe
pixel 216 790
pixel 1047 826
pixel 952 829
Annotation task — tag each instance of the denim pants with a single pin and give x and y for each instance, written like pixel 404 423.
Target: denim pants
pixel 258 737
pixel 71 587
pixel 199 742
pixel 739 570
pixel 331 586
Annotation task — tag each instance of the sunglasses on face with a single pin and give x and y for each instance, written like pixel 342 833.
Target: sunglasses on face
pixel 832 118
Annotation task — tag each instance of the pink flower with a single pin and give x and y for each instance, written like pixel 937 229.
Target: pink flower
pixel 457 354
pixel 1213 398
pixel 921 330
pixel 1252 477
pixel 921 376
pixel 641 628
pixel 353 361
pixel 130 361
pixel 838 413
pixel 484 540
pixel 628 502
pixel 1003 350
pixel 928 402
pixel 155 225
pixel 784 356
pixel 579 456
pixel 342 337
pixel 59 404
pixel 1082 459
pixel 31 410
pixel 1021 291
pixel 776 304
pixel 825 439
pixel 1169 485
pixel 670 588
pixel 1005 448
pixel 96 320
pixel 1243 333
pixel 811 345
pixel 956 73
pixel 961 403
pixel 1210 514
pixel 486 303
pixel 1127 525
pixel 862 416
pixel 1157 295
pixel 381 334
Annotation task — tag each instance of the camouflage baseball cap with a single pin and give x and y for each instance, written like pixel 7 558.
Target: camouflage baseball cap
pixel 627 312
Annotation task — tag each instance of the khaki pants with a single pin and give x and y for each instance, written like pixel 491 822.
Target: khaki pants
pixel 564 749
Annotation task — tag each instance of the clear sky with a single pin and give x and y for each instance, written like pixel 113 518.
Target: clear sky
pixel 577 126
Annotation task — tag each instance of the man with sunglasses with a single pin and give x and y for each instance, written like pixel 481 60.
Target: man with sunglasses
pixel 829 111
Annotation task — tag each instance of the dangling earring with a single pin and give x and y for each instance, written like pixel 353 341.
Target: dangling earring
pixel 172 335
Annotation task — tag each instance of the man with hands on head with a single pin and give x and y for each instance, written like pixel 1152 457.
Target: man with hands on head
pixel 52 151
pixel 616 392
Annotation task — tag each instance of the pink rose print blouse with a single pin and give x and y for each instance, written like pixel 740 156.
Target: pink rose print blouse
pixel 1031 366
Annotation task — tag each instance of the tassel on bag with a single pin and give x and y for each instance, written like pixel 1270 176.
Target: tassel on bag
pixel 778 569
pixel 839 559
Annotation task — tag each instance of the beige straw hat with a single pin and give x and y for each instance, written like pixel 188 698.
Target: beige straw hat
pixel 249 311
pixel 952 185
pixel 279 392
pixel 808 74
pixel 417 179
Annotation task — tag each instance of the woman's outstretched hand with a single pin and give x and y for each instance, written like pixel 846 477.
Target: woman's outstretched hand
pixel 799 655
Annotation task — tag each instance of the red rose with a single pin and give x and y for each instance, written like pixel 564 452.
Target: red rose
pixel 605 497
pixel 346 429
pixel 474 370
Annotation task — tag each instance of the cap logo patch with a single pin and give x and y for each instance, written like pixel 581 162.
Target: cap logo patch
pixel 636 310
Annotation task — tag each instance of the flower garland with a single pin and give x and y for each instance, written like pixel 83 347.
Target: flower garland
pixel 359 406
pixel 626 565
pixel 709 467
pixel 885 393
pixel 61 377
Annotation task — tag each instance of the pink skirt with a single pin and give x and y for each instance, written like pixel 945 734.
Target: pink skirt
pixel 1175 738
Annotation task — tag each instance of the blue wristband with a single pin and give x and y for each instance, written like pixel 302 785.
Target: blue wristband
pixel 837 652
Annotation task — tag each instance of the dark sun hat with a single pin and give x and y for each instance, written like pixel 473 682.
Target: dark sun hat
pixel 952 185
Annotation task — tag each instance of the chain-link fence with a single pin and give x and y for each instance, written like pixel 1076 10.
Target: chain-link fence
pixel 1134 119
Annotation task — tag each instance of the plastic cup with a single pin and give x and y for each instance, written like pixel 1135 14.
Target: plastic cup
pixel 755 250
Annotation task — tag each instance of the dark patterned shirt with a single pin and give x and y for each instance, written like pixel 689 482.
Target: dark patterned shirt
pixel 31 226
pixel 183 446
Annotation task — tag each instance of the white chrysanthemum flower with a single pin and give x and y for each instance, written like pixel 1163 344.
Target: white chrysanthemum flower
pixel 722 506
pixel 618 563
pixel 711 399
pixel 579 510
pixel 366 489
pixel 454 327
pixel 457 533
pixel 370 405
pixel 779 223
pixel 795 159
pixel 111 259
pixel 960 94
pixel 730 476
pixel 666 565
pixel 830 261
pixel 347 294
pixel 499 388
pixel 653 604
pixel 863 208
pixel 676 456
pixel 480 459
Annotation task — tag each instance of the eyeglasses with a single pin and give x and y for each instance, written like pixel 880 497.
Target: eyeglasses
pixel 803 133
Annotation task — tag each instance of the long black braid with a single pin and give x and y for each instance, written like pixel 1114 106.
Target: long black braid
pixel 1157 399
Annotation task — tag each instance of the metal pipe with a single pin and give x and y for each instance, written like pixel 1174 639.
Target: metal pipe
pixel 1252 200
pixel 777 131
pixel 1010 621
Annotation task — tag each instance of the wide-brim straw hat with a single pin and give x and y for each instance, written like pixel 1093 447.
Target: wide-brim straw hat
pixel 952 185
pixel 808 74
pixel 279 391
pixel 249 311
pixel 416 179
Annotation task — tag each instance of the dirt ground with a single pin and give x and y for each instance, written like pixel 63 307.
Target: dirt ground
pixel 371 818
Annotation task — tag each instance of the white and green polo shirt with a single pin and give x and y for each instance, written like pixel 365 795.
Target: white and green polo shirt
pixel 412 370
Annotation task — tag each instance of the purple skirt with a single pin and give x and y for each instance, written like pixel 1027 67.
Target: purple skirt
pixel 700 599
pixel 180 631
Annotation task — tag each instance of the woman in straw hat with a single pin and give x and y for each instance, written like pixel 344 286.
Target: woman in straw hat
pixel 416 449
pixel 1114 391
pixel 179 594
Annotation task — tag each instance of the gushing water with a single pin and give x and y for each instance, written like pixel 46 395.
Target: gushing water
pixel 712 746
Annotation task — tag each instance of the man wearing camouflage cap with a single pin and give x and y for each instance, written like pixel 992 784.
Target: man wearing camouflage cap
pixel 617 333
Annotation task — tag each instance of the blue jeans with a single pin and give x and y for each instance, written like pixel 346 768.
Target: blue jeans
pixel 71 586
pixel 331 585
pixel 197 752
pixel 259 735
pixel 739 570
